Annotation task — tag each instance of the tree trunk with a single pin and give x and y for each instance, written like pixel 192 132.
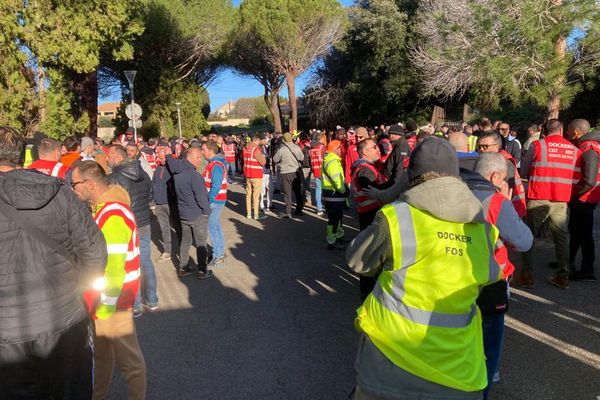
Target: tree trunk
pixel 41 78
pixel 271 97
pixel 85 87
pixel 561 50
pixel 290 79
pixel 553 107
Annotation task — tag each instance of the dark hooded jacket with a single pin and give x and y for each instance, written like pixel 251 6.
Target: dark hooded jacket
pixel 394 165
pixel 190 188
pixel 132 178
pixel 39 287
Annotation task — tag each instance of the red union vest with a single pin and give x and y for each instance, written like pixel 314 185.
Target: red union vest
pixel 351 157
pixel 131 283
pixel 491 210
pixel 555 169
pixel 151 158
pixel 316 159
pixel 412 142
pixel 518 198
pixel 365 203
pixel 252 168
pixel 592 196
pixel 229 151
pixel 52 168
pixel 222 195
pixel 123 139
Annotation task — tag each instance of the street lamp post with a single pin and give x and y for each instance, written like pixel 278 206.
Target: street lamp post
pixel 179 118
pixel 130 75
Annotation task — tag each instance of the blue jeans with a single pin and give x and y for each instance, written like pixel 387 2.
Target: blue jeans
pixel 214 229
pixel 318 194
pixel 148 288
pixel 231 170
pixel 493 337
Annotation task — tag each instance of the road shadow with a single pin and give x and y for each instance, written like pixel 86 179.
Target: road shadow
pixel 276 322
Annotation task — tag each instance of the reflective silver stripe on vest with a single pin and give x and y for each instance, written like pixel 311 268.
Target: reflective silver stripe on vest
pixel 542 143
pixel 552 179
pixel 555 165
pixel 429 318
pixel 367 203
pixel 56 169
pixel 408 246
pixel 393 302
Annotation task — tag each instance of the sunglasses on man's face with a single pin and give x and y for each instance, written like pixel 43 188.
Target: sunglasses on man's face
pixel 486 146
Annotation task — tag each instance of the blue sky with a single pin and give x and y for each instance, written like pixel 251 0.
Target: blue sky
pixel 230 86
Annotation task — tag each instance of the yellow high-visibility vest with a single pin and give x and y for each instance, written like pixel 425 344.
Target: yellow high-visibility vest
pixel 28 156
pixel 472 142
pixel 333 178
pixel 422 313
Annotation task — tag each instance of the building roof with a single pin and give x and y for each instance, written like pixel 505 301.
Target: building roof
pixel 110 106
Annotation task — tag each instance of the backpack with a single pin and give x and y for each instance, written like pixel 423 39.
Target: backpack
pixel 306 154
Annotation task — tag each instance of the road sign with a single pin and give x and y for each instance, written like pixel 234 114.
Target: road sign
pixel 137 111
pixel 138 123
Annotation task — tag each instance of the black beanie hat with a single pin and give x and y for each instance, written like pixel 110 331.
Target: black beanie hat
pixel 433 155
pixel 396 130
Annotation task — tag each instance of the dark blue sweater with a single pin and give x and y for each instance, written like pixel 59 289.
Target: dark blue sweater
pixel 162 183
pixel 192 197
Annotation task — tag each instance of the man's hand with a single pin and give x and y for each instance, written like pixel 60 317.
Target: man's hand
pixel 370 191
pixel 505 191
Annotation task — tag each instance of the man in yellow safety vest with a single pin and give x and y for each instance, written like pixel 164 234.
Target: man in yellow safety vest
pixel 433 250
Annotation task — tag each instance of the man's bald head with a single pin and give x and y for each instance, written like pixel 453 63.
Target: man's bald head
pixel 577 128
pixel 459 141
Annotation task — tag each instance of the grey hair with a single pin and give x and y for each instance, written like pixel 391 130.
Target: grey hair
pixel 488 163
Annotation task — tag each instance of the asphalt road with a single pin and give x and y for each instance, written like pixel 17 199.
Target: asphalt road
pixel 277 323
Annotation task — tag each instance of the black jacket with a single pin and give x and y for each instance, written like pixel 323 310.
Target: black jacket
pixel 39 287
pixel 132 177
pixel 394 165
pixel 192 196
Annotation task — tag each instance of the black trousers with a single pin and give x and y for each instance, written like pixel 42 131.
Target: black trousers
pixel 55 366
pixel 367 283
pixel 290 182
pixel 581 234
pixel 196 230
pixel 168 219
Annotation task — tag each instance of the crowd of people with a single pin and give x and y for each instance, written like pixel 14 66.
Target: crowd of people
pixel 442 212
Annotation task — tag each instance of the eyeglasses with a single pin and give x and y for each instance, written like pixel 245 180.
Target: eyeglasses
pixel 73 184
pixel 485 146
